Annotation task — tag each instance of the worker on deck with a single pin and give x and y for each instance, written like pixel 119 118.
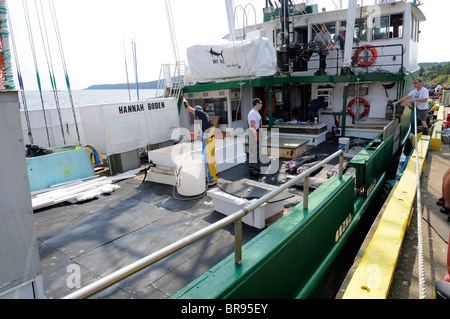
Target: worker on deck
pixel 323 38
pixel 206 131
pixel 254 123
pixel 314 107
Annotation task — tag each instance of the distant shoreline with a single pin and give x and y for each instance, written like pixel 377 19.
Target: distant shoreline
pixel 152 85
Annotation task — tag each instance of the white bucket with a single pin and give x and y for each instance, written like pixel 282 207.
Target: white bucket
pixel 190 177
pixel 344 143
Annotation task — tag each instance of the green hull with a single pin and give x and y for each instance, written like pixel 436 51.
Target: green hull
pixel 296 257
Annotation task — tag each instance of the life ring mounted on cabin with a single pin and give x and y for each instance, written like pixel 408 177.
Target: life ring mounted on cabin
pixel 366 61
pixel 361 101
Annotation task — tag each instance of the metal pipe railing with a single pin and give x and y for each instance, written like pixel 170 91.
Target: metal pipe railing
pixel 143 263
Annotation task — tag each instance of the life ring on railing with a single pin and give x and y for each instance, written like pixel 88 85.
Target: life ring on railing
pixel 363 48
pixel 363 102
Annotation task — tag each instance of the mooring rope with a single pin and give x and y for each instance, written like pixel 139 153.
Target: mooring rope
pixel 419 218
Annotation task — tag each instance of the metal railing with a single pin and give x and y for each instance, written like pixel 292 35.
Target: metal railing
pixel 171 80
pixel 145 262
pixel 392 60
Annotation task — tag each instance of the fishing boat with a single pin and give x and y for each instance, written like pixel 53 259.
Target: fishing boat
pixel 358 85
pixel 305 252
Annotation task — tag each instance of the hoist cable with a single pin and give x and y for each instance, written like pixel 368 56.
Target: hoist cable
pixel 48 57
pixel 33 51
pixel 66 74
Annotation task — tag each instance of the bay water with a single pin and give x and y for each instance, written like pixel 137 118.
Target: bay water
pixel 49 99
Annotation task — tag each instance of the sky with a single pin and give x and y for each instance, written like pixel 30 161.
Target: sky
pixel 96 36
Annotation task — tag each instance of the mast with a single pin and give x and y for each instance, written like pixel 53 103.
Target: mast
pixel 351 16
pixel 231 19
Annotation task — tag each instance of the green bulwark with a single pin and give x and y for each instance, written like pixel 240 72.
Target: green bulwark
pixel 373 160
pixel 289 258
pixel 296 256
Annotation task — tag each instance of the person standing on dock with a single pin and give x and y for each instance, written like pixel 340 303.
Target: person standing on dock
pixel 419 95
pixel 254 123
pixel 323 38
pixel 206 131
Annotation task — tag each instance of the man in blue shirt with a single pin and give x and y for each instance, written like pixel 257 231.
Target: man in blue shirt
pixel 314 108
pixel 340 37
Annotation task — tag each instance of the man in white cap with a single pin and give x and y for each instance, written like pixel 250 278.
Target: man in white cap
pixel 340 37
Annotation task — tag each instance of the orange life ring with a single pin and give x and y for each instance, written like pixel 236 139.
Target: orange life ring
pixel 363 102
pixel 362 48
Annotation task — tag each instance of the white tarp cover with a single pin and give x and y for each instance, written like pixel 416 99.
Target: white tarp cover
pixel 254 58
pixel 122 127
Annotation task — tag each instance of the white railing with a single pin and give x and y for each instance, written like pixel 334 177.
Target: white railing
pixel 171 79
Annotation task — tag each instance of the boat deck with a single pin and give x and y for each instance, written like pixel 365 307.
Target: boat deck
pixel 100 236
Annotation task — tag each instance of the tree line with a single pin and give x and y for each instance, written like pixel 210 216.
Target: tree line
pixel 435 73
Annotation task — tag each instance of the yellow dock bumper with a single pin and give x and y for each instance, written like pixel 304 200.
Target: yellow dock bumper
pixel 372 278
pixel 436 137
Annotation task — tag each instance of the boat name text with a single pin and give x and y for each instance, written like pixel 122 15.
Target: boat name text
pixel 343 227
pixel 133 108
pixel 371 187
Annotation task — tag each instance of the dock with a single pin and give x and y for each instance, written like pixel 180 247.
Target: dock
pixel 387 264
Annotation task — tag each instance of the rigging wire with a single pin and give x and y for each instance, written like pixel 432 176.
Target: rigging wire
pixel 126 69
pixel 178 72
pixel 19 77
pixel 133 48
pixel 33 51
pixel 46 46
pixel 66 74
pixel 245 18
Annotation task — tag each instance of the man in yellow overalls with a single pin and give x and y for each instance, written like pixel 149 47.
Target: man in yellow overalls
pixel 206 131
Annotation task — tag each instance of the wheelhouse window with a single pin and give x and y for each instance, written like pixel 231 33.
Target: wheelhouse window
pixel 360 30
pixel 388 27
pixel 414 28
pixel 331 27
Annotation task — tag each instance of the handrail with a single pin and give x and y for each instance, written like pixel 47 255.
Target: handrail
pixel 143 263
pixel 394 56
pixel 170 83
